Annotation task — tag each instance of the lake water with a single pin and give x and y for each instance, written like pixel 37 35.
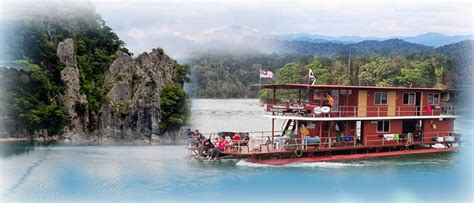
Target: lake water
pixel 163 173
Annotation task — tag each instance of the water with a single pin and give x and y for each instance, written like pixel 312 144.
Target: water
pixel 140 173
pixel 214 115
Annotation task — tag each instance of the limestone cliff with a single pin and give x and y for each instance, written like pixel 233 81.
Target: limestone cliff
pixel 132 112
pixel 72 97
pixel 134 98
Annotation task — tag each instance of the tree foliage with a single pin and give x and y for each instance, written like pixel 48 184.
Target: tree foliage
pixel 37 84
pixel 174 107
pixel 385 63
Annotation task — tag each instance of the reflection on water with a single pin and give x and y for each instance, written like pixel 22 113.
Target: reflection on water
pixel 135 173
pixel 16 148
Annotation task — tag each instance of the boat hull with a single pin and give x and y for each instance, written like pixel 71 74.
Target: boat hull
pixel 351 156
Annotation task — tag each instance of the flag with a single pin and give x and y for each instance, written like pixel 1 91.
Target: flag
pixel 311 78
pixel 266 74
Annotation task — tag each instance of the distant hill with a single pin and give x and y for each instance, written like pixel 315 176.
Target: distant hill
pixel 437 39
pixel 428 39
pixel 461 54
pixel 386 47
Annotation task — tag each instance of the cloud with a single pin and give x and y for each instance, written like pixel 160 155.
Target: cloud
pixel 145 25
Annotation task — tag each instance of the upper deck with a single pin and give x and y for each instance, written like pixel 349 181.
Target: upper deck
pixel 360 102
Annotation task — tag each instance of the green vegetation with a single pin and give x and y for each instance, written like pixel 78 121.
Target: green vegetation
pixel 387 63
pixel 32 82
pixel 373 71
pixel 174 107
pixel 34 41
pixel 231 75
pixel 26 93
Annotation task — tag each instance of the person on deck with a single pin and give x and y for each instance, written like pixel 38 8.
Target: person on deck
pixel 303 131
pixel 200 141
pixel 220 147
pixel 190 133
pixel 330 100
pixel 209 146
pixel 191 138
pixel 236 139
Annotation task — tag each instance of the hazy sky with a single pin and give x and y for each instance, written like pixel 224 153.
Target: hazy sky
pixel 143 25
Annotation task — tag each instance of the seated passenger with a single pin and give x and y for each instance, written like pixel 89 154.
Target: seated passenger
pixel 200 141
pixel 209 146
pixel 236 139
pixel 220 147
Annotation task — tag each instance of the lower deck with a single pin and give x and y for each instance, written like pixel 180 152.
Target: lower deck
pixel 312 150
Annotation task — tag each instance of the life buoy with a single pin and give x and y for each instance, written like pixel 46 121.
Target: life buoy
pixel 325 109
pixel 298 153
pixel 317 110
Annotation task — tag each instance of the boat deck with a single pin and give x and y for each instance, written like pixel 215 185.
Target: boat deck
pixel 244 152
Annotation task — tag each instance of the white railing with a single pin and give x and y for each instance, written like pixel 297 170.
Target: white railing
pixel 282 143
pixel 368 111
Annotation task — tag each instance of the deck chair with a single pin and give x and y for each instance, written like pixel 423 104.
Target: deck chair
pixel 244 142
pixel 267 144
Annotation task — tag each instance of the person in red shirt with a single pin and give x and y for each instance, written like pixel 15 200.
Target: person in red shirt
pixel 235 139
pixel 220 147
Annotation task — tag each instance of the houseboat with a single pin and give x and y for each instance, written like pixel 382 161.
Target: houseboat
pixel 340 122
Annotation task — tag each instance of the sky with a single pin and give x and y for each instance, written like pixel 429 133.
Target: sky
pixel 147 24
pixel 143 25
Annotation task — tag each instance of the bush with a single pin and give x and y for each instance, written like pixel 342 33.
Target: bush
pixel 174 107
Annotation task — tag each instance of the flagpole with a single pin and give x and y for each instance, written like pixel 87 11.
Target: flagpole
pixel 260 77
pixel 309 74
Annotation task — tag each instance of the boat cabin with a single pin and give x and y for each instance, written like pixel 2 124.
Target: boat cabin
pixel 352 119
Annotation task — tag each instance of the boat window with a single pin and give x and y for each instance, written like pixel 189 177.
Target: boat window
pixel 383 126
pixel 381 98
pixel 409 98
pixel 433 98
pixel 346 92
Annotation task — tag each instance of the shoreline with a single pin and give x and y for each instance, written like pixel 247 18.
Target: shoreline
pixel 26 139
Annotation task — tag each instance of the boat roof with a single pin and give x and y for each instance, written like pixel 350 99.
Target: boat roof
pixel 306 86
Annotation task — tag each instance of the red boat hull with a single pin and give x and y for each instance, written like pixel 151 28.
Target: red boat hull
pixel 351 156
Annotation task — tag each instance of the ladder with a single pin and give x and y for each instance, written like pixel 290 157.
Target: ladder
pixel 290 125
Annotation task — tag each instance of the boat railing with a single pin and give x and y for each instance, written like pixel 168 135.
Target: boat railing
pixel 282 143
pixel 359 111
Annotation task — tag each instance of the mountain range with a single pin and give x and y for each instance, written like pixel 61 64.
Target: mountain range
pixel 433 39
pixel 237 38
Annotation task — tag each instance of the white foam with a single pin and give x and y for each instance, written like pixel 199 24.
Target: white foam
pixel 244 163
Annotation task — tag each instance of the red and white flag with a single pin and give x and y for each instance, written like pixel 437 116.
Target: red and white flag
pixel 266 74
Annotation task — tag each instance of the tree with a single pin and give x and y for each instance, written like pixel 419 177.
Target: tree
pixel 419 74
pixel 322 75
pixel 381 72
pixel 174 107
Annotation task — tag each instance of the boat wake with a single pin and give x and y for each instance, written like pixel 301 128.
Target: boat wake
pixel 243 163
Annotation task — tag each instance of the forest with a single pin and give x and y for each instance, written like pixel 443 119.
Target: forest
pixel 387 63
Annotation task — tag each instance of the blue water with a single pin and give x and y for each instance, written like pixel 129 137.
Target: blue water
pixel 165 174
pixel 122 173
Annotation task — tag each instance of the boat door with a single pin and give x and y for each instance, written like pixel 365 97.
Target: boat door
pixel 359 137
pixel 418 103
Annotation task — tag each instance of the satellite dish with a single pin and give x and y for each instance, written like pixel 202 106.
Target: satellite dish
pixel 325 109
pixel 317 110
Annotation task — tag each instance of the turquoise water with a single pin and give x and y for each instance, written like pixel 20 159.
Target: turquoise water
pixel 165 174
pixel 125 173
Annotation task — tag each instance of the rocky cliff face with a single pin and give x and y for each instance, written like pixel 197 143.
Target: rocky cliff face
pixel 77 121
pixel 132 113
